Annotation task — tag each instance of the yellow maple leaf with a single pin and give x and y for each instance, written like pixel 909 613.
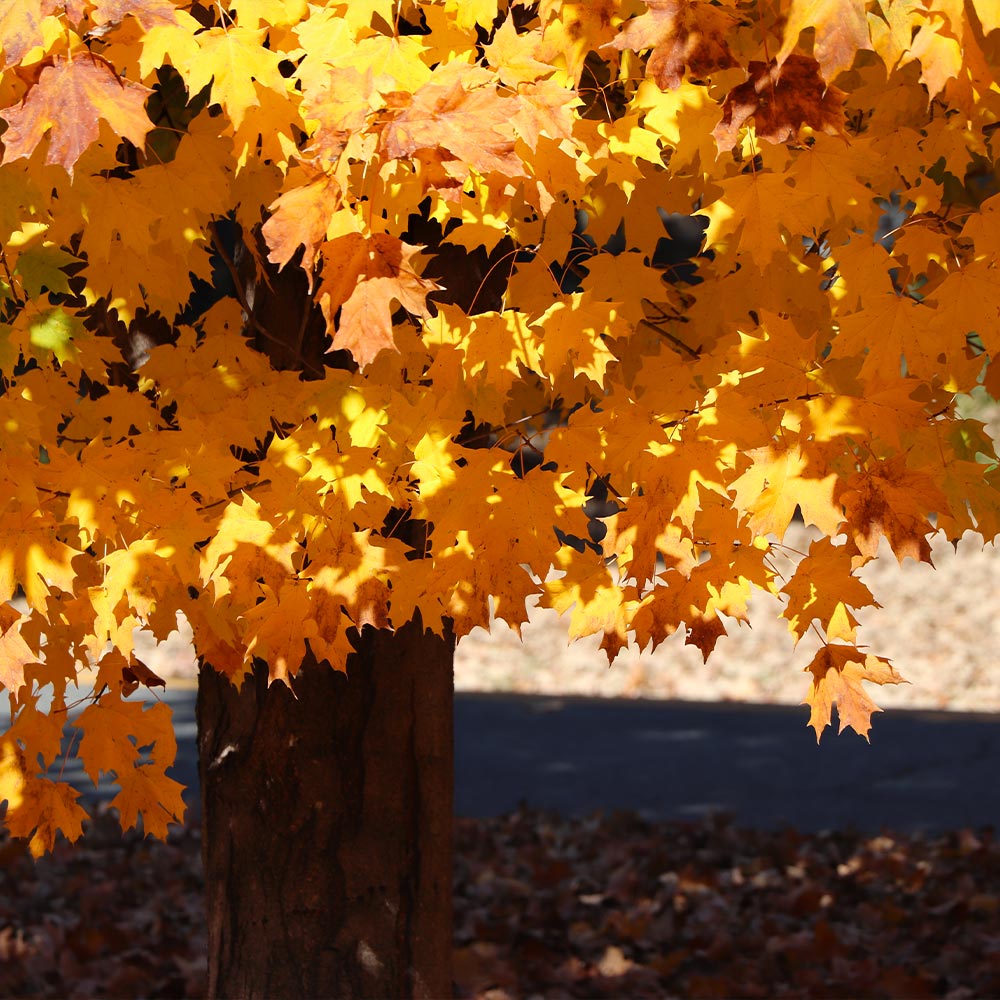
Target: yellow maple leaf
pixel 574 28
pixel 937 45
pixel 597 605
pixel 234 61
pixel 684 118
pixel 130 572
pixel 273 13
pixel 114 209
pixel 459 110
pixel 777 482
pixel 513 55
pixel 469 13
pixel 245 547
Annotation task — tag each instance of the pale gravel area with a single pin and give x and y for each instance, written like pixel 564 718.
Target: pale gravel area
pixel 939 626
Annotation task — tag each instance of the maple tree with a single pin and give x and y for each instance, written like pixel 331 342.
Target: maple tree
pixel 473 200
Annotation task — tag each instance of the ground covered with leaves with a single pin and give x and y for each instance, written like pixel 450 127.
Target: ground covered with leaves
pixel 607 906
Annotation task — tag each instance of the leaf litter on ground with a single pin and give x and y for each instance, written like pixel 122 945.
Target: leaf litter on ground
pixel 545 906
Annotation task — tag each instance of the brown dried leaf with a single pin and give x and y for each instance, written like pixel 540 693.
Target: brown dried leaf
pixel 781 99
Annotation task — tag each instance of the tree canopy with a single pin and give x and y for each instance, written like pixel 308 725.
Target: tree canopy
pixel 605 414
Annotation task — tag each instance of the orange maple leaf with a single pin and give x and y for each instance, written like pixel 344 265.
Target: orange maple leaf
pixel 14 651
pixel 362 276
pixel 68 100
pixel 824 589
pixel 149 13
pixel 113 733
pixel 299 219
pixel 37 808
pixel 148 790
pixel 781 99
pixel 763 206
pixel 892 327
pixel 889 499
pixel 36 735
pixel 683 35
pixel 44 808
pixel 114 730
pixel 20 28
pixel 838 672
pixel 675 605
pixel 269 638
pixel 459 110
pixel 33 558
pixel 841 30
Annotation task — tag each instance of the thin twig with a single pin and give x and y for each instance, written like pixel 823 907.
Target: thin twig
pixel 235 492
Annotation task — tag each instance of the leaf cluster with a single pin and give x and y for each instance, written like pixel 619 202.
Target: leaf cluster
pixel 321 316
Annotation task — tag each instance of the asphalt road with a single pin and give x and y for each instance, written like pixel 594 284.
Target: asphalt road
pixel 924 771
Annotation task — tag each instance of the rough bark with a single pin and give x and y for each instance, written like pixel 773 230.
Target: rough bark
pixel 327 824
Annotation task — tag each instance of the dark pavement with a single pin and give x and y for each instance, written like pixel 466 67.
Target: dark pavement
pixel 924 771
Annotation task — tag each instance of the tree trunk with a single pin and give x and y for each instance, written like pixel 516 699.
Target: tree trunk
pixel 327 824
